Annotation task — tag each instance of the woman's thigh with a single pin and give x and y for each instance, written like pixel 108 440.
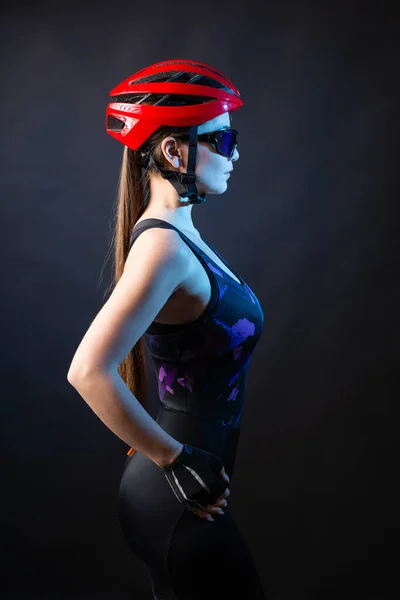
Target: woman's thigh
pixel 211 560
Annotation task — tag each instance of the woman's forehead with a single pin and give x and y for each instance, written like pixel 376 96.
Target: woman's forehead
pixel 213 124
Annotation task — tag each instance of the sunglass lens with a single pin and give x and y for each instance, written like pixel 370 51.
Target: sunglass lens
pixel 226 142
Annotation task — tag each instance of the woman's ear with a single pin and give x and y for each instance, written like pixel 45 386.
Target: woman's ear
pixel 172 152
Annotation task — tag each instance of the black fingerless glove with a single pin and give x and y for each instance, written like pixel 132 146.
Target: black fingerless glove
pixel 194 477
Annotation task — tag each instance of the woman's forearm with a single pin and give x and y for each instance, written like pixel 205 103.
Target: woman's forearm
pixel 112 401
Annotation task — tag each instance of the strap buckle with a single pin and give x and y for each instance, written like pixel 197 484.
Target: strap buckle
pixel 187 177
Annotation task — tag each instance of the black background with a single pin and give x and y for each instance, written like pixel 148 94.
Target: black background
pixel 309 220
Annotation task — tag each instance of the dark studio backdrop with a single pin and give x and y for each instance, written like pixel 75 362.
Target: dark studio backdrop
pixel 308 219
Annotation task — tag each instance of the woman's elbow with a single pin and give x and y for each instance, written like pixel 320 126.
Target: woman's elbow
pixel 79 373
pixel 76 374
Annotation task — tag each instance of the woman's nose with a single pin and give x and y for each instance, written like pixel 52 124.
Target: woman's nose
pixel 235 155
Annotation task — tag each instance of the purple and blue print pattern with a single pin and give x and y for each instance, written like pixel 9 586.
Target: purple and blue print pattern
pixel 202 366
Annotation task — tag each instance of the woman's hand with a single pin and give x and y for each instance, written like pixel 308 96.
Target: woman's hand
pixel 197 476
pixel 215 508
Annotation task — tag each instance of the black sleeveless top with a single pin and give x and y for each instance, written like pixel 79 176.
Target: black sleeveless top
pixel 202 366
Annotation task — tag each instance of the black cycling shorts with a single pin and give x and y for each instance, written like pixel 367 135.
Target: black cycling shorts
pixel 186 557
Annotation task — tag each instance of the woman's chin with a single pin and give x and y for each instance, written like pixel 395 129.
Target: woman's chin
pixel 217 190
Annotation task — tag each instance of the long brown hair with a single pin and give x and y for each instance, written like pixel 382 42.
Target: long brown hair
pixel 132 200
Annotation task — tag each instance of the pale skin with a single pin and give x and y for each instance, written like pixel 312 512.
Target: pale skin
pixel 211 177
pixel 161 278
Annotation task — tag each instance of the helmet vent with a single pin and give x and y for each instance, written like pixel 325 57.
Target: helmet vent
pixel 114 124
pixel 176 76
pixel 162 99
pixel 190 62
pixel 181 77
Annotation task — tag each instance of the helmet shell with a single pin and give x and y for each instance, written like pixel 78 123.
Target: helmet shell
pixel 132 123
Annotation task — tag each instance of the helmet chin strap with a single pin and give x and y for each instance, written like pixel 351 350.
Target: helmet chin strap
pixel 185 183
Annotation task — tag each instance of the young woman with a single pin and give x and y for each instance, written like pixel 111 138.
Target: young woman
pixel 200 322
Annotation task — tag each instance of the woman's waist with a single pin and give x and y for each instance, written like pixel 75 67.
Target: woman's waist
pixel 213 436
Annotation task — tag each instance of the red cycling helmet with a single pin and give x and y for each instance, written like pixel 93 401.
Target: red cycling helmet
pixel 187 93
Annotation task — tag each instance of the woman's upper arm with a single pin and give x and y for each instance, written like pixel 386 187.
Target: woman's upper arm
pixel 156 266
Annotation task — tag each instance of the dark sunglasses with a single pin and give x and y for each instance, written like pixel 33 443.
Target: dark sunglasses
pixel 223 140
